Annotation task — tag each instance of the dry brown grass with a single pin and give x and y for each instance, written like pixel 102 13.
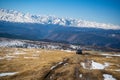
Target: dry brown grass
pixel 34 64
pixel 30 63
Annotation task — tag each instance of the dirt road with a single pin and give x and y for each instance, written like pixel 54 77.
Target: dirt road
pixel 71 69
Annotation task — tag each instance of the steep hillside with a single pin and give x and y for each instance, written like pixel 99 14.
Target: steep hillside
pixel 57 33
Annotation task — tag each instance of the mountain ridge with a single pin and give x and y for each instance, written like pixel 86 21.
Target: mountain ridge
pixel 15 16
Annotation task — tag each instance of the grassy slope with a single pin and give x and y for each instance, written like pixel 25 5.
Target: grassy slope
pixel 35 64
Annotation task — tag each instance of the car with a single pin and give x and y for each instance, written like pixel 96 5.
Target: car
pixel 79 51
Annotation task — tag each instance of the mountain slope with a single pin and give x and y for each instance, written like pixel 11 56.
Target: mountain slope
pixel 16 25
pixel 57 33
pixel 15 16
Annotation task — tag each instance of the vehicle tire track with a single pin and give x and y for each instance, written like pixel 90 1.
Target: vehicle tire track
pixel 52 70
pixel 76 73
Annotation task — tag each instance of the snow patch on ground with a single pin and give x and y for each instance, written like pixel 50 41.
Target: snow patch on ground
pixel 53 67
pixel 94 65
pixel 108 57
pixel 60 63
pixel 83 65
pixel 116 55
pixel 108 77
pixel 38 51
pixel 8 74
pixel 111 55
pixel 65 64
pixel 1 58
pixel 11 43
pixel 17 52
pixel 67 50
pixel 118 70
pixel 30 57
pixel 8 57
pixel 80 75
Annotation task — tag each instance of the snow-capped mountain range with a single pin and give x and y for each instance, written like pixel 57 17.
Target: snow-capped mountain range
pixel 15 16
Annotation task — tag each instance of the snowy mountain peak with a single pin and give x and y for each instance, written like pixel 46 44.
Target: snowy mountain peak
pixel 15 16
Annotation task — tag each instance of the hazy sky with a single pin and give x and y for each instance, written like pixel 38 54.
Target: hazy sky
pixel 107 11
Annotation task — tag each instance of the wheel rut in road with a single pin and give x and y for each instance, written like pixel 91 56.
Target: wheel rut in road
pixel 70 69
pixel 50 75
